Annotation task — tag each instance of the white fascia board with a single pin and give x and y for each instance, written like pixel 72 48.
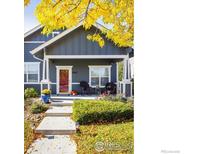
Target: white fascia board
pixel 32 30
pixel 86 56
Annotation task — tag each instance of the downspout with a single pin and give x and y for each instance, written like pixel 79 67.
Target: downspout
pixel 37 58
pixel 43 70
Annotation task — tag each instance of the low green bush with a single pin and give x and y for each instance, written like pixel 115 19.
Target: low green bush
pixel 100 111
pixel 28 135
pixel 116 98
pixel 38 107
pixel 30 92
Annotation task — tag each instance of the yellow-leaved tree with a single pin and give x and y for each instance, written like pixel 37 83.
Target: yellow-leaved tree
pixel 26 2
pixel 115 17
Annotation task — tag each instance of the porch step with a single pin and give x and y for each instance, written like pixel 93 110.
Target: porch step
pixel 56 126
pixel 61 103
pixel 89 97
pixel 59 111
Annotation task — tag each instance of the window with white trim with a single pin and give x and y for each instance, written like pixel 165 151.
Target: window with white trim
pixel 31 72
pixel 99 75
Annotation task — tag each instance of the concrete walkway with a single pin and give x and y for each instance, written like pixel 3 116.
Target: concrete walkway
pixel 57 126
pixel 57 120
pixel 58 144
pixel 59 111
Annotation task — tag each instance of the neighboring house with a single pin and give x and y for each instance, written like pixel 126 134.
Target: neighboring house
pixel 62 60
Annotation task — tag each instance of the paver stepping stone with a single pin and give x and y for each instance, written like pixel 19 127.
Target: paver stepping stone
pixel 62 103
pixel 57 144
pixel 59 111
pixel 56 126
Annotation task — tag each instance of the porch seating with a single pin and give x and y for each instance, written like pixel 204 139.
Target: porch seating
pixel 110 88
pixel 85 88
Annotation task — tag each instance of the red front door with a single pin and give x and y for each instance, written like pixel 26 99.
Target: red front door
pixel 64 81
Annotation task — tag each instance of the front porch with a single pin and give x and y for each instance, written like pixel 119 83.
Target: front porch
pixel 63 75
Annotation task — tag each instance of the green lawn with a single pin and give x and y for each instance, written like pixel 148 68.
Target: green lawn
pixel 107 138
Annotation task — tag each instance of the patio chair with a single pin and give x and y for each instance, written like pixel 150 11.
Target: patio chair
pixel 110 88
pixel 85 88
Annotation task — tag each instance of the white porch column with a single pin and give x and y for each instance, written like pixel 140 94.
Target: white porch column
pixel 124 69
pixel 44 65
pixel 124 75
pixel 117 72
pixel 47 71
pixel 129 71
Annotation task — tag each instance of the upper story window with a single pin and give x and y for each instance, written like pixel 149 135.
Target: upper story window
pixel 54 33
pixel 99 75
pixel 31 72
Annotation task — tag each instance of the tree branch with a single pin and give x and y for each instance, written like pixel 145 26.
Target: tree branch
pixel 57 3
pixel 76 5
pixel 86 12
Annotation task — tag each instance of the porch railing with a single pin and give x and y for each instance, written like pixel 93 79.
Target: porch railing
pixel 125 88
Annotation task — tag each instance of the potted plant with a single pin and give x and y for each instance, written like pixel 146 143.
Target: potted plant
pixel 45 95
pixel 74 92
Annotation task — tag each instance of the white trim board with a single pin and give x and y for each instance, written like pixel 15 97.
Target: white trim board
pixel 32 83
pixel 58 77
pixel 86 56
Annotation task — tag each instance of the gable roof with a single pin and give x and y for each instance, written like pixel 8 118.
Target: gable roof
pixel 32 30
pixel 40 47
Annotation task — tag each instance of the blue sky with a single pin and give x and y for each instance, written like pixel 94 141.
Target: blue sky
pixel 30 20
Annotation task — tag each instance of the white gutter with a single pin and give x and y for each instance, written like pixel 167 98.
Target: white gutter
pixel 37 58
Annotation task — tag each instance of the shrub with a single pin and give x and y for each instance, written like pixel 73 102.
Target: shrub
pixel 30 92
pixel 28 135
pixel 39 107
pixel 100 111
pixel 46 91
pixel 117 98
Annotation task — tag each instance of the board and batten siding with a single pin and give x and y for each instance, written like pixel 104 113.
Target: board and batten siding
pixel 76 43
